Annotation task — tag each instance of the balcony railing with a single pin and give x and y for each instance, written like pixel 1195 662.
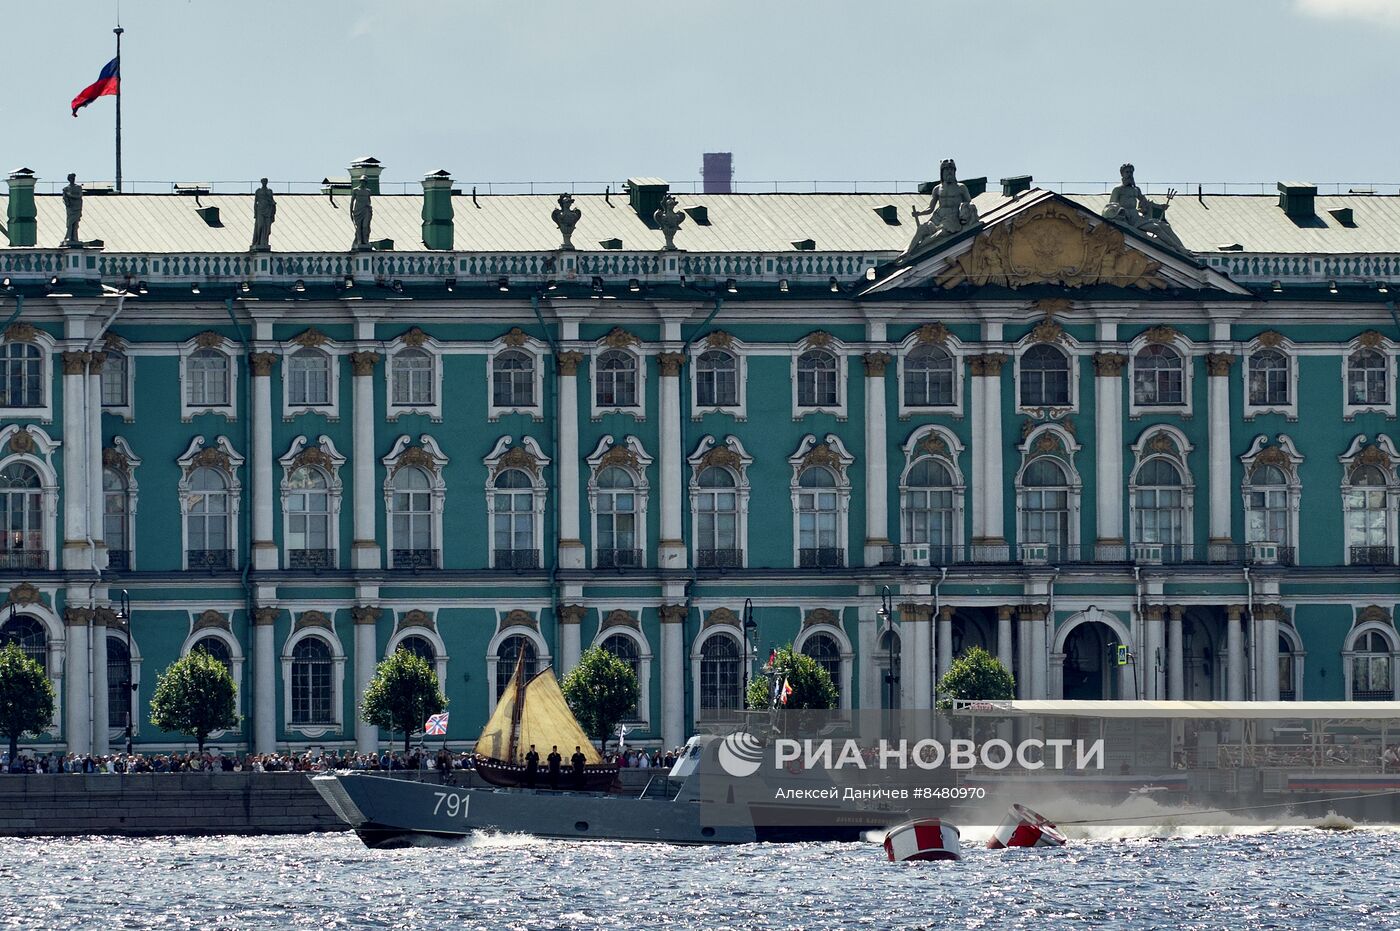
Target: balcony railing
pixel 517 559
pixel 119 560
pixel 1373 695
pixel 24 559
pixel 618 559
pixel 413 559
pixel 821 557
pixel 311 559
pixel 1372 556
pixel 213 560
pixel 1168 554
pixel 719 559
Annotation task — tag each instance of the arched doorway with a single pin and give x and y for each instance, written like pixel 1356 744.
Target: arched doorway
pixel 1085 656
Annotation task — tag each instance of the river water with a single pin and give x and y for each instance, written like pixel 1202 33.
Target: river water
pixel 1225 877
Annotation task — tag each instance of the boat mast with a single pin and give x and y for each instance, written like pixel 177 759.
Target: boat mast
pixel 518 711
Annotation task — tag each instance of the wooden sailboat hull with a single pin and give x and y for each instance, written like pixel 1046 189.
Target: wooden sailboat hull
pixel 509 775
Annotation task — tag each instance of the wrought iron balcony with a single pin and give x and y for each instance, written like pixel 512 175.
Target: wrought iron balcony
pixel 119 560
pixel 24 559
pixel 213 560
pixel 311 559
pixel 821 557
pixel 719 559
pixel 414 559
pixel 1372 556
pixel 517 559
pixel 618 559
pixel 1373 695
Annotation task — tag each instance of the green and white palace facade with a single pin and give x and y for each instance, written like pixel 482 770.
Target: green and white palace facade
pixel 1039 430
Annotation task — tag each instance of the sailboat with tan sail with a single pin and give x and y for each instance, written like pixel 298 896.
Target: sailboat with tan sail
pixel 533 712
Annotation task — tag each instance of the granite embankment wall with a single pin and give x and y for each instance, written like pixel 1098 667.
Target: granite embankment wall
pixel 183 803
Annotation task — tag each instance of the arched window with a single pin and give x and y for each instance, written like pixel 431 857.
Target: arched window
pixel 625 649
pixel 717 519
pixel 116 519
pixel 1268 378
pixel 119 697
pixel 22 518
pixel 412 377
pixel 928 507
pixel 207 521
pixel 818 519
pixel 1366 513
pixel 308 378
pixel 514 516
pixel 887 661
pixel 824 649
pixel 1266 506
pixel 508 654
pixel 513 379
pixel 114 379
pixel 928 377
pixel 1044 377
pixel 1159 511
pixel 1045 513
pixel 311 682
pixel 28 633
pixel 420 647
pixel 308 531
pixel 716 379
pixel 21 375
pixel 721 675
pixel 1368 381
pixel 1158 377
pixel 412 520
pixel 1371 668
pixel 616 379
pixel 1287 681
pixel 617 544
pixel 207 379
pixel 215 648
pixel 816 379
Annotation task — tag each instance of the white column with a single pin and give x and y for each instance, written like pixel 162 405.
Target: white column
pixel 76 681
pixel 1039 653
pixel 672 549
pixel 100 729
pixel 1268 651
pixel 1004 654
pixel 1218 364
pixel 1108 436
pixel 76 553
pixel 915 619
pixel 986 436
pixel 1234 645
pixel 877 520
pixel 570 539
pixel 945 640
pixel 1154 662
pixel 867 645
pixel 570 648
pixel 264 681
pixel 1176 659
pixel 1025 660
pixel 264 549
pixel 673 675
pixel 366 549
pixel 94 464
pixel 366 659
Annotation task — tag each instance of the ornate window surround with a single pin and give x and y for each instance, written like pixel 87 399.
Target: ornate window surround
pixel 631 456
pixel 321 455
pixel 820 339
pixel 1163 441
pixel 1054 441
pixel 529 458
pixel 1273 340
pixel 731 456
pixel 431 460
pixel 1389 349
pixel 121 459
pixel 1171 338
pixel 22 332
pixel 116 635
pixel 113 343
pixel 816 622
pixel 1382 454
pixel 613 624
pixel 419 623
pixel 512 623
pixel 1050 333
pixel 223 457
pixel 208 340
pixel 832 454
pixel 55 643
pixel 313 339
pixel 321 624
pixel 712 627
pixel 623 341
pixel 516 339
pixel 935 334
pixel 933 441
pixel 35 448
pixel 723 342
pixel 1287 458
pixel 215 624
pixel 413 338
pixel 1368 619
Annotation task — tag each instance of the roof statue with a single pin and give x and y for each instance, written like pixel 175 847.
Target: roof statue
pixel 950 210
pixel 566 217
pixel 669 219
pixel 1128 206
pixel 361 214
pixel 73 208
pixel 264 213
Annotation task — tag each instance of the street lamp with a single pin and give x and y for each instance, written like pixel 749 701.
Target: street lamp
pixel 886 615
pixel 748 625
pixel 124 615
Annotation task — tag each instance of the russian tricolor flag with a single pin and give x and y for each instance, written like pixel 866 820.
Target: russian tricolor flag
pixel 106 84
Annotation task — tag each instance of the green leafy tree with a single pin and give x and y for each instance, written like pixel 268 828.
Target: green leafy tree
pixel 26 696
pixel 975 676
pixel 403 694
pixel 812 688
pixel 195 696
pixel 601 690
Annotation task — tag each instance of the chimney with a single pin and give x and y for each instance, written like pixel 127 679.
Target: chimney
pixel 437 210
pixel 717 172
pixel 1016 184
pixel 367 168
pixel 645 196
pixel 22 220
pixel 1297 199
pixel 975 186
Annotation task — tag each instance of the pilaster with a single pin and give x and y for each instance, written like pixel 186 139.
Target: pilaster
pixel 366 548
pixel 264 549
pixel 1218 400
pixel 673 618
pixel 988 526
pixel 366 619
pixel 877 521
pixel 1108 434
pixel 1004 643
pixel 571 555
pixel 945 641
pixel 570 640
pixel 671 552
pixel 77 685
pixel 1176 658
pixel 77 554
pixel 1234 655
pixel 914 619
pixel 264 680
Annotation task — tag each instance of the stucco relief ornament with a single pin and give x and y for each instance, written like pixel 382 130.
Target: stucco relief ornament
pixel 950 210
pixel 934 445
pixel 721 456
pixel 935 333
pixel 620 618
pixel 566 217
pixel 618 456
pixel 1370 339
pixel 668 220
pixel 520 458
pixel 515 338
pixel 311 338
pixel 619 338
pixel 1130 207
pixel 22 442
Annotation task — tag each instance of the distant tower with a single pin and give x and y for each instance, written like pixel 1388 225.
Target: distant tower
pixel 718 172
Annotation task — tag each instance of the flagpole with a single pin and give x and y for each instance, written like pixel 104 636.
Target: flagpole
pixel 119 32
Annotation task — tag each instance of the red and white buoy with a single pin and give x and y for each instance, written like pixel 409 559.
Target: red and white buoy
pixel 923 839
pixel 1025 828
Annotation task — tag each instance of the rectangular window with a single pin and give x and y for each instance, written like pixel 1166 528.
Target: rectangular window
pixel 114 380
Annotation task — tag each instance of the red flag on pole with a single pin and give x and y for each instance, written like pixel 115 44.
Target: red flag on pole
pixel 107 84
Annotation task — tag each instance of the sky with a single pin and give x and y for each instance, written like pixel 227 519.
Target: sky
pixel 801 91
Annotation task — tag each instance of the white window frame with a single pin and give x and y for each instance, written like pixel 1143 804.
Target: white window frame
pixel 720 341
pixel 825 342
pixel 506 631
pixel 1292 470
pixel 1388 350
pixel 188 462
pixel 832 454
pixel 413 339
pixel 529 458
pixel 1359 629
pixel 1062 452
pixel 116 634
pixel 844 649
pixel 40 459
pixel 300 631
pixel 120 458
pixel 1286 347
pixel 939 338
pixel 116 346
pixel 1067 347
pixel 696 653
pixel 427 629
pixel 47 346
pixel 187 349
pixel 315 341
pixel 516 341
pixel 323 456
pixel 924 443
pixel 632 457
pixel 1389 464
pixel 236 660
pixel 644 661
pixel 731 456
pixel 431 460
pixel 1180 458
pixel 621 341
pixel 1182 347
pixel 1288 632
